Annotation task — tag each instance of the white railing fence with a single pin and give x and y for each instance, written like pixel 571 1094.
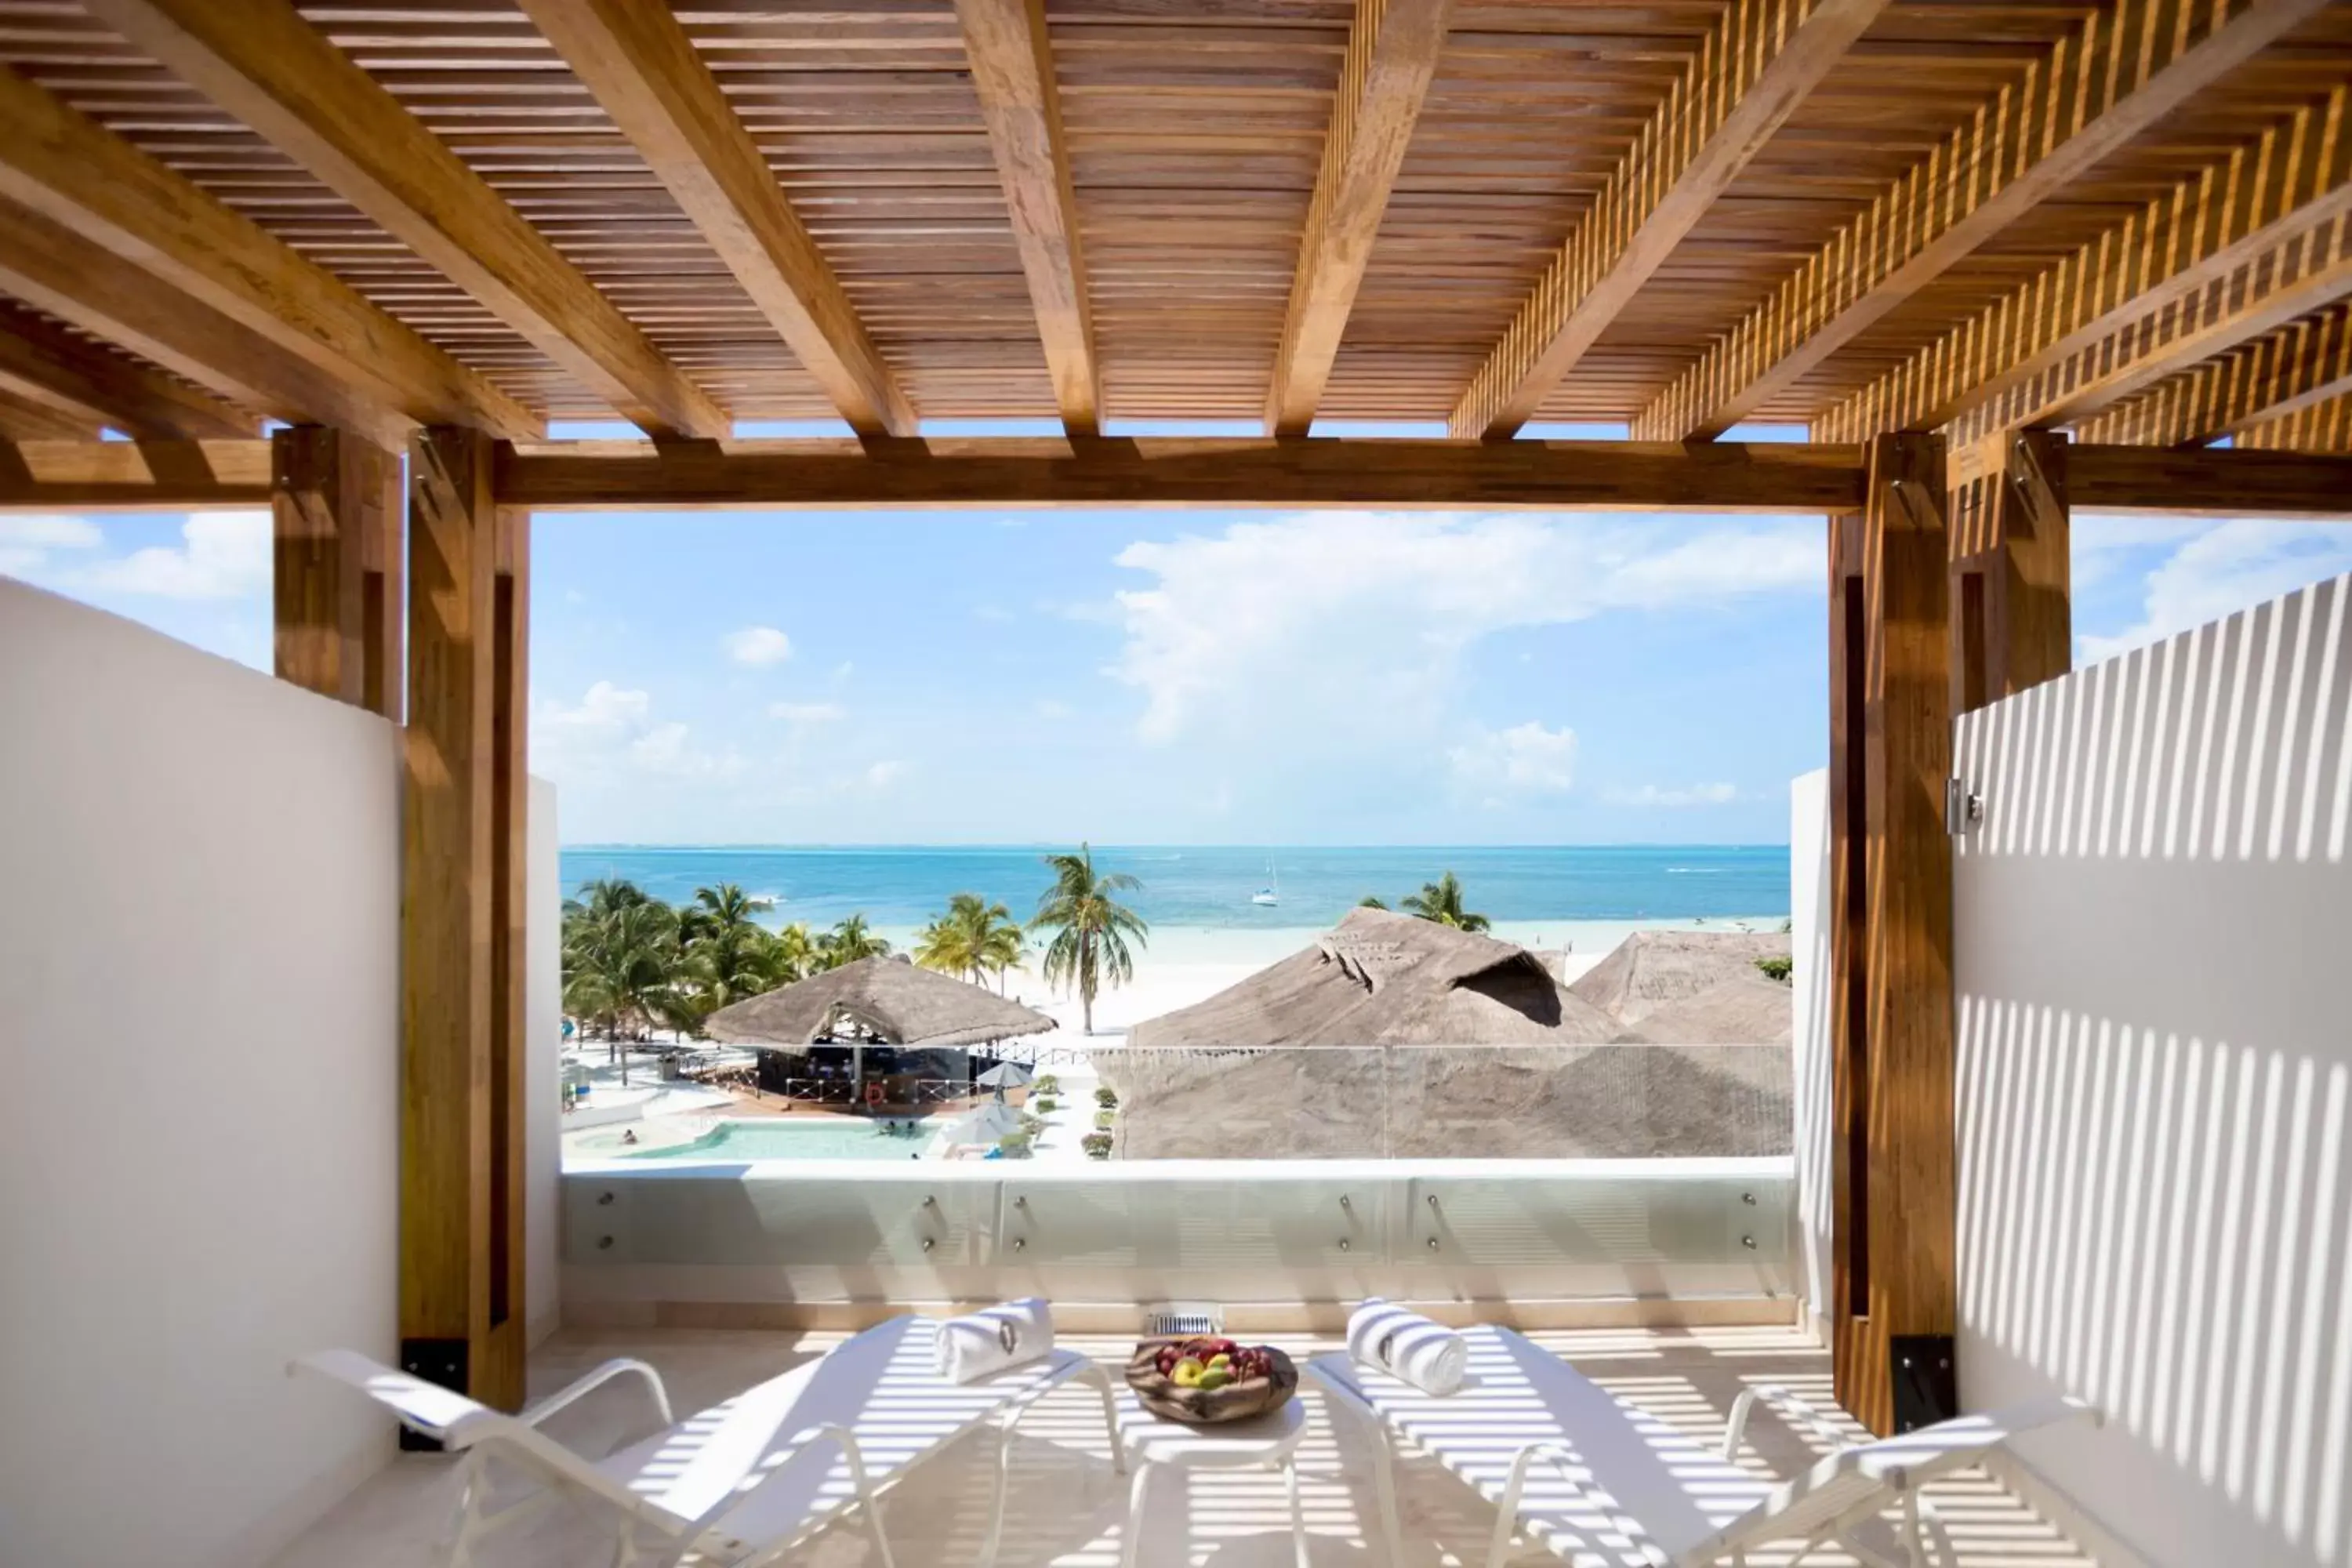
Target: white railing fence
pixel 1251 1231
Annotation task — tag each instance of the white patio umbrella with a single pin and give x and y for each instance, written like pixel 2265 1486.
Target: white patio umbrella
pixel 985 1125
pixel 1004 1076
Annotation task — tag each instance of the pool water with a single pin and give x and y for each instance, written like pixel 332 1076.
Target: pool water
pixel 775 1140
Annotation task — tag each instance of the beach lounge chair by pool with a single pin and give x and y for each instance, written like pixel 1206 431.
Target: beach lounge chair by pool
pixel 750 1479
pixel 1595 1482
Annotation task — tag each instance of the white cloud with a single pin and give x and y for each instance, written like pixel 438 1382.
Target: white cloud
pixel 1690 794
pixel 2223 569
pixel 605 711
pixel 1053 707
pixel 27 539
pixel 883 774
pixel 759 646
pixel 610 730
pixel 1526 759
pixel 222 556
pixel 807 712
pixel 1325 622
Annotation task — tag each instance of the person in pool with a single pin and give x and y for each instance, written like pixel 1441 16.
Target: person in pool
pixel 630 1136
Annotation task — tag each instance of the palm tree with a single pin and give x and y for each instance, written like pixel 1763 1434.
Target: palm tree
pixel 1371 901
pixel 848 942
pixel 726 955
pixel 1091 928
pixel 621 966
pixel 604 895
pixel 973 939
pixel 796 956
pixel 1442 902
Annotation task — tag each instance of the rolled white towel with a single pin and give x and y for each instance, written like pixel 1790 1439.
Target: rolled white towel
pixel 1406 1345
pixel 1013 1333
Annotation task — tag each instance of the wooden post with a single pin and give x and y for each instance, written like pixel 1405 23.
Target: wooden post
pixel 461 1253
pixel 1894 1291
pixel 334 506
pixel 2012 546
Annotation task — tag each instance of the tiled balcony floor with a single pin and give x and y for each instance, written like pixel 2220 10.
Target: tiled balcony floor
pixel 1066 1507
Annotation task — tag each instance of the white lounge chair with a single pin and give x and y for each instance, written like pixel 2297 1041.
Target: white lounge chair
pixel 1601 1484
pixel 736 1483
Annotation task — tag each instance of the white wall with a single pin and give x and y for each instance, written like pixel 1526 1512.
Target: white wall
pixel 1809 908
pixel 543 1059
pixel 2154 932
pixel 199 1059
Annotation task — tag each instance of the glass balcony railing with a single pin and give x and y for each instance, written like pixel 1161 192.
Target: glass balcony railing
pixel 1516 1172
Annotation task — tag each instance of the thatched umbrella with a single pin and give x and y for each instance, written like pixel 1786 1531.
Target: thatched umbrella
pixel 887 1000
pixel 1650 969
pixel 1385 979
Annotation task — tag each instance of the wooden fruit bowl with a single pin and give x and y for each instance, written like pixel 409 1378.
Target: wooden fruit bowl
pixel 1244 1399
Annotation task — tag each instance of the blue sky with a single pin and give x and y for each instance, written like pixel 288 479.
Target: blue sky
pixel 1138 677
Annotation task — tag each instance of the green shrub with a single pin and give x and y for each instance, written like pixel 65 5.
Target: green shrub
pixel 1104 1098
pixel 1048 1103
pixel 1776 968
pixel 1013 1145
pixel 1047 1083
pixel 1030 1125
pixel 1102 1121
pixel 1097 1145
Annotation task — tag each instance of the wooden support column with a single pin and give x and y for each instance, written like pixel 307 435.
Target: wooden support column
pixel 334 504
pixel 461 1214
pixel 1894 1293
pixel 2013 608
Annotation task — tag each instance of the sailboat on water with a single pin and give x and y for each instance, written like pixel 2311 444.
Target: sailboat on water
pixel 1271 894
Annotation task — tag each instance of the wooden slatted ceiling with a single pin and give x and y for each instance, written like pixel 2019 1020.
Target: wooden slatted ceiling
pixel 2119 75
pixel 1194 136
pixel 1530 111
pixel 1195 147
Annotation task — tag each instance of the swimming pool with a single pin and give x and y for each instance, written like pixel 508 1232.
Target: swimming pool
pixel 765 1139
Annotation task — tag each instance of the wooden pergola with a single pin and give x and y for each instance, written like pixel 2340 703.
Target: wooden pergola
pixel 2004 260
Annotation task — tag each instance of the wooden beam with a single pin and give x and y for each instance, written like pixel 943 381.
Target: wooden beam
pixel 41 361
pixel 2120 72
pixel 637 59
pixel 2011 601
pixel 335 506
pixel 1751 72
pixel 23 420
pixel 1012 71
pixel 2209 481
pixel 461 1307
pixel 85 179
pixel 1893 1154
pixel 2302 364
pixel 133 476
pixel 1239 473
pixel 2300 367
pixel 2254 201
pixel 2322 427
pixel 1393 52
pixel 267 67
pixel 2299 276
pixel 76 279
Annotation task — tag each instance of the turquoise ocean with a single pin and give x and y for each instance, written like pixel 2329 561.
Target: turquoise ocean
pixel 1209 887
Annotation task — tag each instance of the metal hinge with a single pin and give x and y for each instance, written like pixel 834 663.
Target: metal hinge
pixel 1963 807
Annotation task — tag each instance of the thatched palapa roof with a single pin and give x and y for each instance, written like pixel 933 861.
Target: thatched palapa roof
pixel 889 997
pixel 1744 1010
pixel 1653 969
pixel 1384 979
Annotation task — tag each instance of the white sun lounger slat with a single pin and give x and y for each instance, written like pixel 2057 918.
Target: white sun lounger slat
pixel 1603 1484
pixel 758 1473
